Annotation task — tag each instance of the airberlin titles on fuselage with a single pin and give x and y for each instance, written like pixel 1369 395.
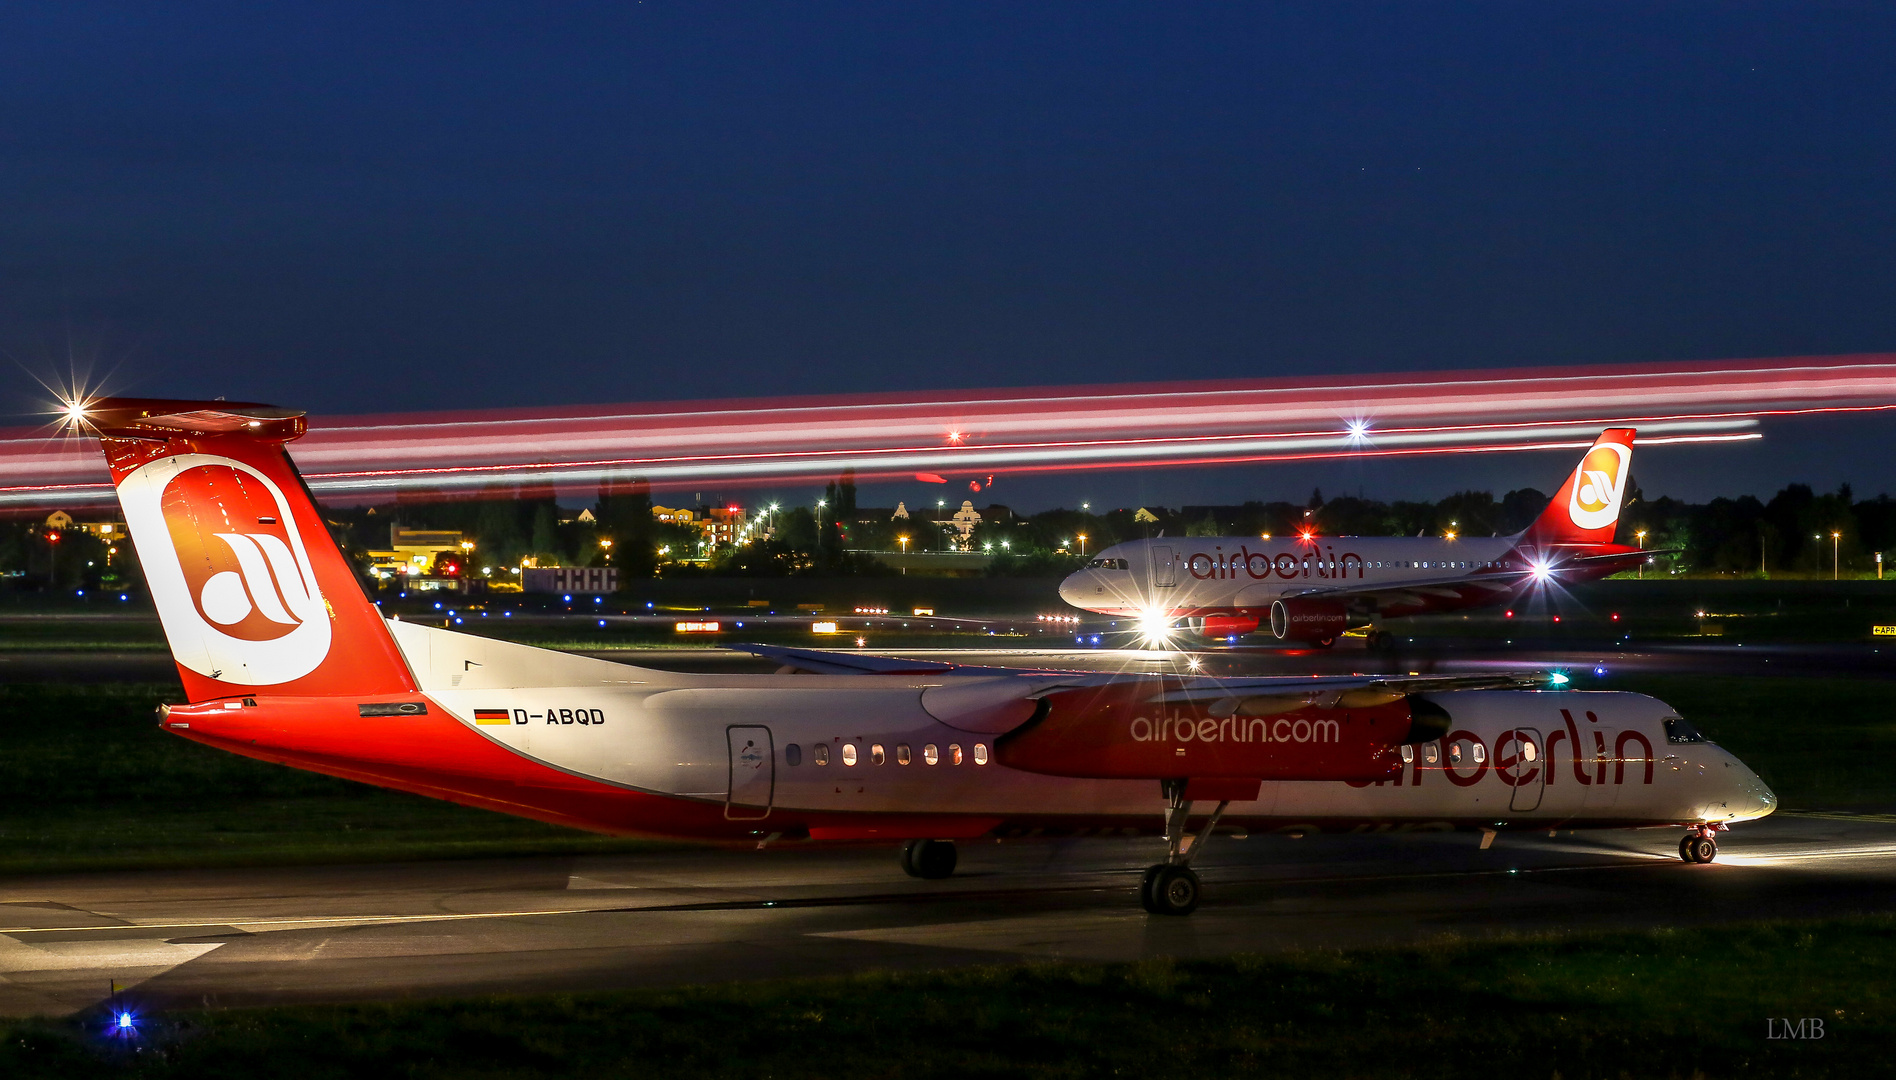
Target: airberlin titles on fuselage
pixel 1310 560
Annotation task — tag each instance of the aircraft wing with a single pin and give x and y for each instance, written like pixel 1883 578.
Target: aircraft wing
pixel 825 662
pixel 1350 691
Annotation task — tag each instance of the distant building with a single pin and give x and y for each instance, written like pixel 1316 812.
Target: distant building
pixel 963 523
pixel 675 517
pixel 413 552
pixel 901 512
pixel 588 580
pixel 109 531
pixel 720 523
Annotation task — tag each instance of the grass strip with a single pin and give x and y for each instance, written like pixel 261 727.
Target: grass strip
pixel 1670 1003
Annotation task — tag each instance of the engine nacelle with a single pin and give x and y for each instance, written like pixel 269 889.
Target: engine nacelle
pixel 1308 620
pixel 1128 731
pixel 1218 626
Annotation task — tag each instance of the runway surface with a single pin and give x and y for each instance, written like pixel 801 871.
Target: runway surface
pixel 345 933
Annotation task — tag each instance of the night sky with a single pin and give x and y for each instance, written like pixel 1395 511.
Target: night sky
pixel 364 208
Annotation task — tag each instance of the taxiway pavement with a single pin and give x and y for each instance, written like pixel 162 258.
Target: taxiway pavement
pixel 346 933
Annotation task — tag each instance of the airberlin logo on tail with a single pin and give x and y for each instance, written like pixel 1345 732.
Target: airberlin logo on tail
pixel 253 599
pixel 227 569
pixel 1597 486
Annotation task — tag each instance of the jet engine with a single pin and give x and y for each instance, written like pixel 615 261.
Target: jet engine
pixel 1308 620
pixel 1218 626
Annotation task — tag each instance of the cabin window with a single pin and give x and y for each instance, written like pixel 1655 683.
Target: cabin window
pixel 954 753
pixel 849 753
pixel 980 753
pixel 793 754
pixel 930 755
pixel 1408 754
pixel 901 753
pixel 875 754
pixel 1528 752
pixel 1680 730
pixel 820 753
pixel 1455 753
pixel 1481 753
pixel 1431 753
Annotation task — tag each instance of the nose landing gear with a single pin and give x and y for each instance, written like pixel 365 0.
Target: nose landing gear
pixel 1171 887
pixel 1698 845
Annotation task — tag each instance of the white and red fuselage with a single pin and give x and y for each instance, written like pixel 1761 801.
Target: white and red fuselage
pixel 284 659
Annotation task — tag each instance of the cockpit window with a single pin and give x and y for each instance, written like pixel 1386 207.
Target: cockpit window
pixel 1680 730
pixel 1109 564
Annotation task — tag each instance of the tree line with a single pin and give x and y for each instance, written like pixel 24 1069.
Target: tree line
pixel 1790 533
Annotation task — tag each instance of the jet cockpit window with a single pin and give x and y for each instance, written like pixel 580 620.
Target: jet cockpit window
pixel 1109 564
pixel 1680 730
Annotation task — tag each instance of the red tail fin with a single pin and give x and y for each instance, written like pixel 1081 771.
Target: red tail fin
pixel 250 587
pixel 1586 508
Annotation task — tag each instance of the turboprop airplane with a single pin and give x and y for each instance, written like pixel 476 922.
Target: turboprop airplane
pixel 284 658
pixel 1313 588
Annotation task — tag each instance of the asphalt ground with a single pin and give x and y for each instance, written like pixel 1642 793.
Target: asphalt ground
pixel 195 938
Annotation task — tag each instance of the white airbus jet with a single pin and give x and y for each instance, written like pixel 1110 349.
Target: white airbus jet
pixel 1311 589
pixel 283 658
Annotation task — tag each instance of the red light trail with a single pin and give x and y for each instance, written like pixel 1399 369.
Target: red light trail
pixel 758 441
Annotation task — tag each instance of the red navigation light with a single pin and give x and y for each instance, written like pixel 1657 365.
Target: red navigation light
pixel 1510 614
pixel 1616 616
pixel 1556 618
pixel 52 536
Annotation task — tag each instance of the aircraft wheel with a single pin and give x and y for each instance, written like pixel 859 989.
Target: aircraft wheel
pixel 930 859
pixel 1173 891
pixel 1685 848
pixel 1145 886
pixel 1703 848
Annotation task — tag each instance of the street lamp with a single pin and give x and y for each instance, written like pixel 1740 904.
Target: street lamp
pixel 1836 545
pixel 1640 538
pixel 903 540
pixel 1082 545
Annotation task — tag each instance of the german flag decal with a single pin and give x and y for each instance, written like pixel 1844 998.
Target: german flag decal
pixel 484 717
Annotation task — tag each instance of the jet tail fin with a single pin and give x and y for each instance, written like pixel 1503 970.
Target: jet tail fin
pixel 250 587
pixel 1586 509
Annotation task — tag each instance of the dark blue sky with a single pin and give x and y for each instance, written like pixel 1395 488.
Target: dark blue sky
pixel 351 208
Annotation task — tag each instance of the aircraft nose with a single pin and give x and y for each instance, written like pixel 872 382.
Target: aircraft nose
pixel 1753 798
pixel 1072 588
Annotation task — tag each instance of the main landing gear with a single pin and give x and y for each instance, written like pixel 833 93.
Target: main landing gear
pixel 1698 846
pixel 1170 887
pixel 928 858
